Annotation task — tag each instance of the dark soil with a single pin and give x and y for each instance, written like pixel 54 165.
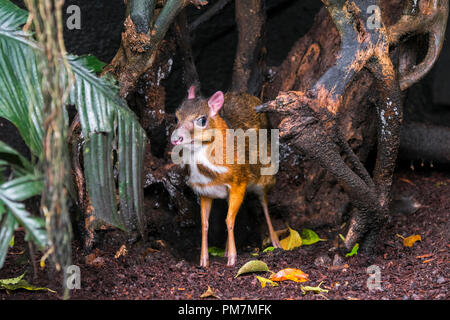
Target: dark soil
pixel 151 270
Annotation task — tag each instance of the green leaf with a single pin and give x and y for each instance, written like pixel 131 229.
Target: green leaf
pixel 11 16
pixel 269 249
pixel 13 158
pixel 92 63
pixel 7 227
pixel 19 283
pixel 22 188
pixel 16 190
pixel 309 237
pixel 216 252
pixel 106 121
pixel 354 251
pixel 252 266
pixel 317 289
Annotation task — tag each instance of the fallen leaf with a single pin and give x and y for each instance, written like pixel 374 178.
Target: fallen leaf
pixel 19 283
pixel 354 251
pixel 290 274
pixel 98 262
pixel 17 253
pixel 121 252
pixel 317 289
pixel 11 242
pixel 209 293
pixel 292 241
pixel 309 237
pixel 94 260
pixel 264 281
pixel 148 251
pixel 407 181
pixel 424 256
pixel 216 252
pixel 161 243
pixel 90 258
pixel 267 242
pixel 252 266
pixel 269 249
pixel 334 268
pixel 255 252
pixel 409 241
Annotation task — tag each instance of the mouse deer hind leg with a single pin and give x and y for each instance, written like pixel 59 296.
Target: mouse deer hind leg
pixel 273 235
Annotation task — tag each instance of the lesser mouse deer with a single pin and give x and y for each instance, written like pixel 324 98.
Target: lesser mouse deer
pixel 203 131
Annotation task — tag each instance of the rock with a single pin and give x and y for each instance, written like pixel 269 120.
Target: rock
pixel 338 260
pixel 322 261
pixel 440 280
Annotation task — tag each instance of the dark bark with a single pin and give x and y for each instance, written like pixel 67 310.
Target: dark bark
pixel 249 64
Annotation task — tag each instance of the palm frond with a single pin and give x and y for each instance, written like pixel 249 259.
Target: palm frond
pixel 24 184
pixel 106 121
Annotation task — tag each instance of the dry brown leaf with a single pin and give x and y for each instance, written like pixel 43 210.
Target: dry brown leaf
pixel 90 258
pixel 424 256
pixel 290 274
pixel 409 241
pixel 98 262
pixel 334 268
pixel 161 243
pixel 209 293
pixel 407 181
pixel 121 252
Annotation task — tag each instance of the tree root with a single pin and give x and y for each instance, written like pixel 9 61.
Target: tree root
pixel 308 117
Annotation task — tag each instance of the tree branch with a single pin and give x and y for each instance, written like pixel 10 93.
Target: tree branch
pixel 249 63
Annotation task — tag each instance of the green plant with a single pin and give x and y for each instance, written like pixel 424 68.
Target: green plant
pixel 22 183
pixel 106 121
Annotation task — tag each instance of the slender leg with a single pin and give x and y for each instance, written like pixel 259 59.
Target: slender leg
pixel 236 197
pixel 272 233
pixel 205 204
pixel 226 249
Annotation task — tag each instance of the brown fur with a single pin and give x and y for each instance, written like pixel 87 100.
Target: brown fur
pixel 237 113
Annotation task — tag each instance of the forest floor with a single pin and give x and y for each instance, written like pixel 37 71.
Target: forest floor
pixel 419 272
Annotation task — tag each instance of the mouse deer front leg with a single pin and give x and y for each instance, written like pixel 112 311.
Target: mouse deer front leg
pixel 236 197
pixel 205 205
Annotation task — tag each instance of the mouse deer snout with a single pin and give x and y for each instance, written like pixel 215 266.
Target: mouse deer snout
pixel 179 136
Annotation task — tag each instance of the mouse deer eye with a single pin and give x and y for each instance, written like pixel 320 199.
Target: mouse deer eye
pixel 201 122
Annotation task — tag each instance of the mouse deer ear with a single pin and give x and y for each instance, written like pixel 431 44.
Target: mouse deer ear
pixel 191 92
pixel 215 103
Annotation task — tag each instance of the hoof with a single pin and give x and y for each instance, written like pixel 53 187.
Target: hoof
pixel 231 260
pixel 204 263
